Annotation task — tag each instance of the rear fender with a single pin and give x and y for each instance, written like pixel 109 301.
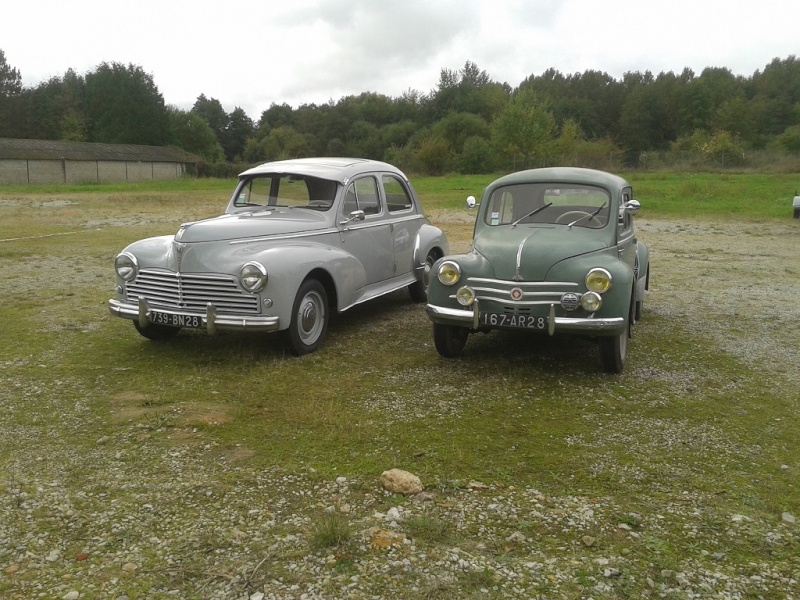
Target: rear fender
pixel 429 238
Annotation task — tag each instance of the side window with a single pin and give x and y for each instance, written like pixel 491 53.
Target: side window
pixel 624 221
pixel 501 208
pixel 367 197
pixel 397 198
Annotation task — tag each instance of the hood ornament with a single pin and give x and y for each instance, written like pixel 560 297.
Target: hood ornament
pixel 517 275
pixel 179 248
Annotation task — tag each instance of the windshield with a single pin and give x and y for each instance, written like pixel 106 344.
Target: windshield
pixel 562 203
pixel 298 191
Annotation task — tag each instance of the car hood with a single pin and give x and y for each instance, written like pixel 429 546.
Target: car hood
pixel 538 248
pixel 278 221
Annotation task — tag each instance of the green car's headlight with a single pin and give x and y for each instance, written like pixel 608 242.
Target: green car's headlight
pixel 591 301
pixel 253 277
pixel 598 281
pixel 126 266
pixel 465 296
pixel 449 273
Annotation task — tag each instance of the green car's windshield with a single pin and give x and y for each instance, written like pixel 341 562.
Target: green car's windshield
pixel 299 191
pixel 553 203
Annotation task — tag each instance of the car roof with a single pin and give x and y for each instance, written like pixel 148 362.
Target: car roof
pixel 336 168
pixel 563 175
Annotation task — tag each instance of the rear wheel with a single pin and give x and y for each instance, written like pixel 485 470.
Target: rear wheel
pixel 449 339
pixel 637 313
pixel 156 332
pixel 309 318
pixel 419 289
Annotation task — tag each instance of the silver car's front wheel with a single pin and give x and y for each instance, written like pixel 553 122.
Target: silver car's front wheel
pixel 309 318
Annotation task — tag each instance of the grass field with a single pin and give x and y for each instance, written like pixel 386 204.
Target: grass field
pixel 221 467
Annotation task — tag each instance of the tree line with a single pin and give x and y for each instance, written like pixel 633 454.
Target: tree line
pixel 469 123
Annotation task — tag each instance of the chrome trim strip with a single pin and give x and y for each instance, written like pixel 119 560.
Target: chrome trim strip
pixel 286 236
pixel 521 284
pixel 509 302
pixel 212 321
pixel 455 316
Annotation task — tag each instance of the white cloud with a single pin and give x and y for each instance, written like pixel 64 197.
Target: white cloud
pixel 251 54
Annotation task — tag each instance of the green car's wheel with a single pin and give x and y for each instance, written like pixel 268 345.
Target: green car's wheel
pixel 614 349
pixel 156 332
pixel 449 339
pixel 309 318
pixel 637 312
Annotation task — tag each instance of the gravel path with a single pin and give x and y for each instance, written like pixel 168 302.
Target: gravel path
pixel 155 516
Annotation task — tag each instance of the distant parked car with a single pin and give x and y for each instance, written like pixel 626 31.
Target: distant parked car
pixel 796 206
pixel 298 240
pixel 554 251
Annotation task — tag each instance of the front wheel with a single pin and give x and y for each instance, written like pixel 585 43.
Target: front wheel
pixel 449 339
pixel 614 349
pixel 156 332
pixel 309 318
pixel 419 289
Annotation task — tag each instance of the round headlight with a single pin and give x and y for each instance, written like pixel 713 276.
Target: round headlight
pixel 465 296
pixel 449 273
pixel 253 277
pixel 127 266
pixel 591 301
pixel 598 280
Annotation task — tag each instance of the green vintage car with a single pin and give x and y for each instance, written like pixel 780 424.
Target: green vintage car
pixel 554 251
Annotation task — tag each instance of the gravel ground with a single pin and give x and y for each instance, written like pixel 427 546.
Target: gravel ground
pixel 159 516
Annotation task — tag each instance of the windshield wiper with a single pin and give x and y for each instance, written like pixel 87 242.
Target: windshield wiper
pixel 588 215
pixel 530 214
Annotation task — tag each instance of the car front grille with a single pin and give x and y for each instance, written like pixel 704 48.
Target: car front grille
pixel 500 292
pixel 191 292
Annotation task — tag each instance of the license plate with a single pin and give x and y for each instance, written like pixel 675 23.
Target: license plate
pixel 513 321
pixel 171 320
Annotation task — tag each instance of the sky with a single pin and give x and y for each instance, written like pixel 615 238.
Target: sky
pixel 251 54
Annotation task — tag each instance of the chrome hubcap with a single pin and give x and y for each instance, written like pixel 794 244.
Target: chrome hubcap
pixel 311 317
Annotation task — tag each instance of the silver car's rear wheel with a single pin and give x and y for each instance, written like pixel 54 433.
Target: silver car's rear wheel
pixel 419 289
pixel 309 318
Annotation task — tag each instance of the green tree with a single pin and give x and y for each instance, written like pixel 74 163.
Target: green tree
pixel 432 156
pixel 455 128
pixel 10 78
pixel 789 140
pixel 212 112
pixel 695 108
pixel 123 106
pixel 477 156
pixel 240 127
pixel 523 132
pixel 192 133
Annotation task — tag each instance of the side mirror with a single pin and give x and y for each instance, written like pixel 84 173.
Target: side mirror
pixel 632 207
pixel 356 215
pixel 471 203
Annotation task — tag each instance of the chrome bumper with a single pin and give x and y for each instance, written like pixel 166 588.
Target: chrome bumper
pixel 212 321
pixel 469 318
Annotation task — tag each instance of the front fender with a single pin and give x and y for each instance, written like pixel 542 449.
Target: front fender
pixel 617 300
pixel 289 265
pixel 472 264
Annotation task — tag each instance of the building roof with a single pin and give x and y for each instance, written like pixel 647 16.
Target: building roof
pixel 15 149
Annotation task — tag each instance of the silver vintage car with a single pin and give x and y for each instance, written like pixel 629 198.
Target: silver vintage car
pixel 298 239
